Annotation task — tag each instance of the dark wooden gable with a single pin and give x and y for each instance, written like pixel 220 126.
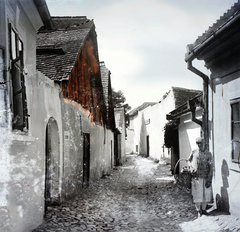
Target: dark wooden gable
pixel 69 54
pixel 84 83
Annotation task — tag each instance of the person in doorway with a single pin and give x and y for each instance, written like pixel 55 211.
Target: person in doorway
pixel 202 171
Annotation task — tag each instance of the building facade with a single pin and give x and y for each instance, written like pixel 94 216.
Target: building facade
pixel 184 127
pixel 219 48
pixel 147 122
pixel 24 117
pixel 56 132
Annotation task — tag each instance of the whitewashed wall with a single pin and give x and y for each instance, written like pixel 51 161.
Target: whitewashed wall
pixel 159 112
pixel 188 131
pixel 220 139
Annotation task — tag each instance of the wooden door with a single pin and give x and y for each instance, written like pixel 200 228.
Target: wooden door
pixel 86 159
pixel 147 138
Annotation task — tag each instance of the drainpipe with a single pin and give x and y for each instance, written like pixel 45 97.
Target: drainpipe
pixel 204 123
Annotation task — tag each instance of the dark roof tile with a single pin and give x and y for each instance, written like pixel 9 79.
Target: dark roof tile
pixel 182 95
pixel 105 76
pixel 233 11
pixel 68 35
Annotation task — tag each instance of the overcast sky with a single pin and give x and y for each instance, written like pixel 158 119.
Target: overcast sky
pixel 143 42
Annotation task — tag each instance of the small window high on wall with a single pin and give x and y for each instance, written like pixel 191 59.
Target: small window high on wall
pixel 235 127
pixel 19 101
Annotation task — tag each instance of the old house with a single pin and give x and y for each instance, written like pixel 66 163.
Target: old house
pixel 137 131
pixel 174 98
pixel 147 122
pixel 24 116
pixel 56 134
pixel 219 48
pixel 68 55
pixel 118 120
pixel 183 128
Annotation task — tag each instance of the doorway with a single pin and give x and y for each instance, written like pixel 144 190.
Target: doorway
pixel 52 159
pixel 86 160
pixel 147 138
pixel 175 151
pixel 115 149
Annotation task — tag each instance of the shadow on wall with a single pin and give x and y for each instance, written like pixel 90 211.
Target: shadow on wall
pixel 143 134
pixel 223 200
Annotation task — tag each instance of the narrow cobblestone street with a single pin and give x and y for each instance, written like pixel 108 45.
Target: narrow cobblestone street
pixel 139 196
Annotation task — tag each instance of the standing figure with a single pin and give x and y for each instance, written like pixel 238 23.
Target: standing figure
pixel 202 171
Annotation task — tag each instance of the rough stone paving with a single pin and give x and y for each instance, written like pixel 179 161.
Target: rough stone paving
pixel 139 196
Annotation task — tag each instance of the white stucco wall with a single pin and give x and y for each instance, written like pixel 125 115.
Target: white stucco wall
pixel 159 112
pixel 188 131
pixel 220 140
pixel 155 136
pixel 144 128
pixel 129 142
pixel 101 147
pixel 26 156
pixel 23 153
pixel 140 128
pixel 133 134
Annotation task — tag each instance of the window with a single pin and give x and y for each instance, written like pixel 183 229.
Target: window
pixel 2 79
pixel 235 121
pixel 19 101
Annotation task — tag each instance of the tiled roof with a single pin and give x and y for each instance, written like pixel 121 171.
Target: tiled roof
pixel 184 108
pixel 142 107
pixel 105 82
pixel 223 20
pixel 57 49
pixel 182 95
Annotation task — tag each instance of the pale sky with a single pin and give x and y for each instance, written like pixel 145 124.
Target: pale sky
pixel 143 42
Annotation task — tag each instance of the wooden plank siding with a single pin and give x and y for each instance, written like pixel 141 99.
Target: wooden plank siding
pixel 84 83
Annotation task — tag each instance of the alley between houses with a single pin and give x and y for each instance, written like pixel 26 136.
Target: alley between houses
pixel 139 196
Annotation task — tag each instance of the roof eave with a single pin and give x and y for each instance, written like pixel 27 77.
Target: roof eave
pixel 185 108
pixel 44 13
pixel 199 48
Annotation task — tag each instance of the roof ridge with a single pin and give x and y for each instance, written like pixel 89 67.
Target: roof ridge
pixel 194 90
pixel 70 17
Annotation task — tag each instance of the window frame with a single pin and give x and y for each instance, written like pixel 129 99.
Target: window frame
pixel 235 159
pixel 3 84
pixel 18 88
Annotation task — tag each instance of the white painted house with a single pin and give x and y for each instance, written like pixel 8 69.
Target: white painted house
pixel 185 129
pixel 220 50
pixel 147 122
pixel 55 131
pixel 138 129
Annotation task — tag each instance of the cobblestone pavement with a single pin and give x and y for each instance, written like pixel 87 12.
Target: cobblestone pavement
pixel 138 196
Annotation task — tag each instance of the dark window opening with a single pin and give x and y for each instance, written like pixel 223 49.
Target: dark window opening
pixel 235 127
pixel 19 101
